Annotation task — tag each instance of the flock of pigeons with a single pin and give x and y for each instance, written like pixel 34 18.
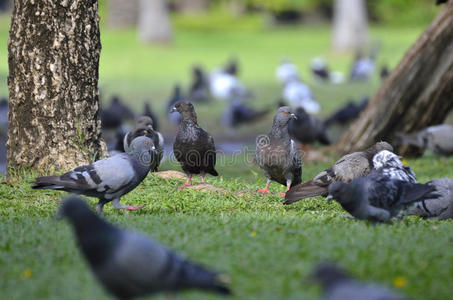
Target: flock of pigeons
pixel 370 185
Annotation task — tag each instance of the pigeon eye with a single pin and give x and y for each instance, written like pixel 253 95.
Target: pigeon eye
pixel 284 112
pixel 147 142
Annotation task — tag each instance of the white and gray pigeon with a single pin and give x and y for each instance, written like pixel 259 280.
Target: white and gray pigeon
pixel 378 198
pixel 144 127
pixel 390 164
pixel 107 179
pixel 131 265
pixel 441 207
pixel 436 138
pixel 277 154
pixel 338 285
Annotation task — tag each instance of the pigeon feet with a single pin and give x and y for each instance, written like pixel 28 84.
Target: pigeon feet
pixel 264 191
pixel 130 207
pixel 282 195
pixel 184 186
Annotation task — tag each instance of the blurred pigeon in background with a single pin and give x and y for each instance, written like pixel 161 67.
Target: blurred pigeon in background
pixel 441 207
pixel 277 154
pixel 131 265
pixel 436 138
pixel 347 113
pixel 286 71
pixel 107 179
pixel 377 197
pixel 298 94
pixel 199 89
pixel 115 114
pixel 147 111
pixel 176 97
pixel 193 147
pixel 389 164
pixel 307 129
pixel 363 67
pixel 347 168
pixel 319 69
pixel 338 285
pixel 238 113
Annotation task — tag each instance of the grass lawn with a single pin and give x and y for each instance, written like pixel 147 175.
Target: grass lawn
pixel 266 248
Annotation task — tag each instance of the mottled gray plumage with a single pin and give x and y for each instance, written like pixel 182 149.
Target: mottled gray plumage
pixel 277 153
pixel 377 197
pixel 307 129
pixel 389 164
pixel 107 179
pixel 436 138
pixel 144 127
pixel 347 168
pixel 441 207
pixel 194 148
pixel 129 264
pixel 338 285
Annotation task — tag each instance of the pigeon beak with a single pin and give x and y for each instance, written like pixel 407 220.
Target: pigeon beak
pixel 293 116
pixel 329 198
pixel 173 110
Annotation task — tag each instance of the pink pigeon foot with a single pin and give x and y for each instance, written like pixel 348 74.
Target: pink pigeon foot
pixel 264 191
pixel 130 207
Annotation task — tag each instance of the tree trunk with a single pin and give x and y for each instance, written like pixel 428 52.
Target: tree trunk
pixel 350 26
pixel 53 58
pixel 417 94
pixel 122 13
pixel 154 24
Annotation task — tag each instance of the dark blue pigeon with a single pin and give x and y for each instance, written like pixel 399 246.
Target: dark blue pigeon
pixel 130 265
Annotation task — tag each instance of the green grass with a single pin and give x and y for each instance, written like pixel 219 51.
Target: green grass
pixel 267 248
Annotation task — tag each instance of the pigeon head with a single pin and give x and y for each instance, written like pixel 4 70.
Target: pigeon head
pixel 339 191
pixel 74 209
pixel 187 111
pixel 387 159
pixel 140 148
pixel 328 275
pixel 370 152
pixel 283 116
pixel 144 121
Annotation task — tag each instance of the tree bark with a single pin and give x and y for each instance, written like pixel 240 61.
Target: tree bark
pixel 350 26
pixel 154 24
pixel 417 94
pixel 122 13
pixel 53 58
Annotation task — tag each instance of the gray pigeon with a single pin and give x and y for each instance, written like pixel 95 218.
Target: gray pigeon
pixel 144 127
pixel 338 285
pixel 107 179
pixel 440 207
pixel 347 168
pixel 194 148
pixel 307 129
pixel 130 265
pixel 389 164
pixel 277 154
pixel 377 197
pixel 436 138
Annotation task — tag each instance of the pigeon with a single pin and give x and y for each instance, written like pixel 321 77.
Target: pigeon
pixel 389 164
pixel 224 86
pixel 363 67
pixel 147 111
pixel 347 168
pixel 113 116
pixel 199 89
pixel 438 138
pixel 338 285
pixel 144 127
pixel 299 94
pixel 193 147
pixel 176 97
pixel 107 179
pixel 319 69
pixel 440 207
pixel 307 129
pixel 377 197
pixel 277 154
pixel 238 113
pixel 287 72
pixel 131 265
pixel 439 2
pixel 232 67
pixel 347 113
pixel 385 72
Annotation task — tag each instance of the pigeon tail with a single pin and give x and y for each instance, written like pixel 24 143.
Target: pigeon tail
pixel 304 190
pixel 49 182
pixel 213 172
pixel 323 139
pixel 418 192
